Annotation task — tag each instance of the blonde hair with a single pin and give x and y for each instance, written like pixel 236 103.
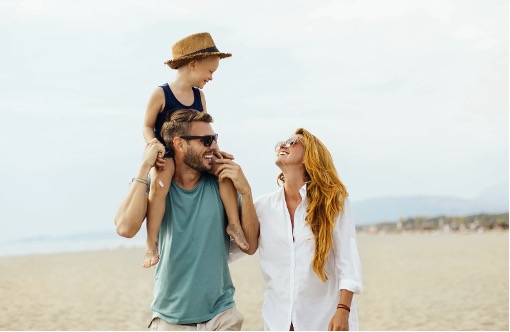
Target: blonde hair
pixel 325 194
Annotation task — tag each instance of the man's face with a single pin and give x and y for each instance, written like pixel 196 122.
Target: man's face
pixel 197 156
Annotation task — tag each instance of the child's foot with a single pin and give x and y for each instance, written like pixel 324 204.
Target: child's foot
pixel 151 258
pixel 237 234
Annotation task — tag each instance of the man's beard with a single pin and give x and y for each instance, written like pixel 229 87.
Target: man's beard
pixel 194 161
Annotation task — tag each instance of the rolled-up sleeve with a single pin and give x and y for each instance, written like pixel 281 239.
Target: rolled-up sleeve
pixel 346 255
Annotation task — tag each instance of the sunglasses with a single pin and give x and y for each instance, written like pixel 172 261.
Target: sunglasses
pixel 207 140
pixel 286 144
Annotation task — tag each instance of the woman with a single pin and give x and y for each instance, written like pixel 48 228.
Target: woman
pixel 307 244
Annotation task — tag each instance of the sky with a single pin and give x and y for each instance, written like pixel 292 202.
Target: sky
pixel 409 96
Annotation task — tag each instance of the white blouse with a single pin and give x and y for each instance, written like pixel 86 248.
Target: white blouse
pixel 294 293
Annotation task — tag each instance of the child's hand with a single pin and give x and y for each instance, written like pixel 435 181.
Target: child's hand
pixel 152 153
pixel 223 155
pixel 226 168
pixel 160 161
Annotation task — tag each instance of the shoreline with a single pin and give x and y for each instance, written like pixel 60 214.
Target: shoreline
pixel 47 248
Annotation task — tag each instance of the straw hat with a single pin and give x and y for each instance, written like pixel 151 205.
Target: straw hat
pixel 196 46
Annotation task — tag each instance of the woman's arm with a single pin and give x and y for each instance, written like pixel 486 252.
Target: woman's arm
pixel 340 320
pixel 347 261
pixel 348 265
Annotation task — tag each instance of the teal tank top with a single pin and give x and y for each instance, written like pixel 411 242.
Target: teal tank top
pixel 192 281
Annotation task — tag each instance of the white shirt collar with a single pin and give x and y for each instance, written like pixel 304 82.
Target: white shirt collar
pixel 302 191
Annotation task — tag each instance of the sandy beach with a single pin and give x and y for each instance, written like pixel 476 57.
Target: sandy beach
pixel 412 282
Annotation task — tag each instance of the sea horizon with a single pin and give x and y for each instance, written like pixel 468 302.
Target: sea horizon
pixel 76 242
pixel 109 240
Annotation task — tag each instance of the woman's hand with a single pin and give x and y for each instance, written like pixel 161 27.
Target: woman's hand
pixel 340 321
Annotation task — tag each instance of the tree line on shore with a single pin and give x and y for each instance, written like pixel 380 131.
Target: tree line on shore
pixel 477 223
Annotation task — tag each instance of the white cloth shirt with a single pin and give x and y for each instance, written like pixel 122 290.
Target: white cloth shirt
pixel 294 293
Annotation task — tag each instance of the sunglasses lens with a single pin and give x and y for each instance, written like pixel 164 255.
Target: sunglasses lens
pixel 286 144
pixel 292 141
pixel 208 140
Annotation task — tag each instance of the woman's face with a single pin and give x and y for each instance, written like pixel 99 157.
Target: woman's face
pixel 291 151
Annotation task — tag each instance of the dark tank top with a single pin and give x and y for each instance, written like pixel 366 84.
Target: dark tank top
pixel 172 105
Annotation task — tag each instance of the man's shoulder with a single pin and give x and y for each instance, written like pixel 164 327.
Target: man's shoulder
pixel 208 177
pixel 209 182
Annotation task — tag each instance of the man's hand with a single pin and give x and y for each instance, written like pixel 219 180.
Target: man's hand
pixel 153 155
pixel 226 168
pixel 340 321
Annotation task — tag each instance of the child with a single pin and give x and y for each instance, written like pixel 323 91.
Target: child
pixel 195 58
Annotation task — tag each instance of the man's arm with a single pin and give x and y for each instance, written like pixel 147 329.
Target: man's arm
pixel 133 209
pixel 249 220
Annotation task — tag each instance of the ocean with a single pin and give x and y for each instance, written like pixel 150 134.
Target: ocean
pixel 70 243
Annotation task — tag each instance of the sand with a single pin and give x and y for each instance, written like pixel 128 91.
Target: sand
pixel 412 282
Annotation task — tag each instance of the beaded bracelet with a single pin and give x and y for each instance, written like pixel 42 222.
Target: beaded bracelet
pixel 147 188
pixel 343 306
pixel 140 180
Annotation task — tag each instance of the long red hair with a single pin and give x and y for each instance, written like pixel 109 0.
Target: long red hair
pixel 325 194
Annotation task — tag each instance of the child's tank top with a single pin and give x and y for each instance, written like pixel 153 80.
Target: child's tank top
pixel 172 105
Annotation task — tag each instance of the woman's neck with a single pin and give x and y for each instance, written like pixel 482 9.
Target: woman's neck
pixel 292 196
pixel 293 182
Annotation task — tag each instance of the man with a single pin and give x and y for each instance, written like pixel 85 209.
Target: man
pixel 193 288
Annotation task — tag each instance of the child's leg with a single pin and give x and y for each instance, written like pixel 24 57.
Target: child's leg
pixel 160 183
pixel 228 195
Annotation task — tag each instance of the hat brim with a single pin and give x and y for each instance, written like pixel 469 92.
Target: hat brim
pixel 176 63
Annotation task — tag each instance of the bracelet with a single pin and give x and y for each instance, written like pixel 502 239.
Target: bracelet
pixel 140 180
pixel 145 182
pixel 343 306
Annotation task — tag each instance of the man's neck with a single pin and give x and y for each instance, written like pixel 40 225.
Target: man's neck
pixel 185 177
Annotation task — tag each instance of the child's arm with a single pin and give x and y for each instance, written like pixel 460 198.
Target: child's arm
pixel 154 106
pixel 202 98
pixel 226 168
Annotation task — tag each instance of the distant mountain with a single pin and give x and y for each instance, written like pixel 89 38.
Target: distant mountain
pixel 375 210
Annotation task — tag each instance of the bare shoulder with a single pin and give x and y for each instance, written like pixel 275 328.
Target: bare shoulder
pixel 156 101
pixel 158 93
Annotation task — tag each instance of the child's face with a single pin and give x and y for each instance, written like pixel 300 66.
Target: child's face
pixel 203 69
